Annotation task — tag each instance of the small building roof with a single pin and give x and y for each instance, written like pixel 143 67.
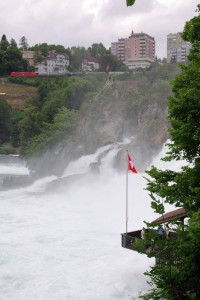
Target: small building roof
pixel 170 216
pixel 90 59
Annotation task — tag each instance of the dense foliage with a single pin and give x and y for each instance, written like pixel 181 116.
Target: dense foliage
pixel 51 114
pixel 176 276
pixel 75 94
pixel 10 57
pixel 130 2
pixel 136 91
pixel 5 120
pixel 78 54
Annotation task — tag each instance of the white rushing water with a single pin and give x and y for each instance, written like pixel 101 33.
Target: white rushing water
pixel 67 245
pixel 12 164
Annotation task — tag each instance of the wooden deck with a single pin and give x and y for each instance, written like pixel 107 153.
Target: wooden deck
pixel 128 239
pixel 132 240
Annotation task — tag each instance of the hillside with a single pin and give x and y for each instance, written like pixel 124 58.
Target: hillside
pixel 75 116
pixel 118 113
pixel 16 95
pixel 131 106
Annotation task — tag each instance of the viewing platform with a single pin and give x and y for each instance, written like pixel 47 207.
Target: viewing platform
pixel 133 241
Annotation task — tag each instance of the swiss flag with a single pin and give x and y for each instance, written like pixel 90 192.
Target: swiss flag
pixel 130 165
pixel 107 69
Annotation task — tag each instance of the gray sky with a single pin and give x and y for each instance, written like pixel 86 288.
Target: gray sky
pixel 84 22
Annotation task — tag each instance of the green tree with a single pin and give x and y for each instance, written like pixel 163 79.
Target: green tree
pixel 30 125
pixel 11 57
pixel 13 61
pixel 130 2
pixel 51 107
pixel 74 94
pixel 62 126
pixel 77 56
pixel 112 61
pixel 176 276
pixel 45 86
pixel 13 43
pixel 4 43
pixel 97 50
pixel 23 43
pixel 5 114
pixel 16 117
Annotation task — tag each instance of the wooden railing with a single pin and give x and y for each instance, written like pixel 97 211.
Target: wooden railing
pixel 130 240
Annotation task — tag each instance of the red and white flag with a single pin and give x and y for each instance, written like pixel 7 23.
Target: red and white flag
pixel 107 69
pixel 130 165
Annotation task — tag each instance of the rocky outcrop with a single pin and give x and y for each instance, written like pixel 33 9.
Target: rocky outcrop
pixel 113 114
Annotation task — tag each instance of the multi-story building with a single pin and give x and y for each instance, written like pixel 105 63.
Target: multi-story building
pixel 55 63
pixel 137 51
pixel 177 48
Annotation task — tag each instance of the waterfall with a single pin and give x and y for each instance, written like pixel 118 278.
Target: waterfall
pixel 67 245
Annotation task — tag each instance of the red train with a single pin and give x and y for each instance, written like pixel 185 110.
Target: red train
pixel 52 74
pixel 23 74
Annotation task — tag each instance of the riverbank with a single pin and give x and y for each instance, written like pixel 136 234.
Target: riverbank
pixel 7 149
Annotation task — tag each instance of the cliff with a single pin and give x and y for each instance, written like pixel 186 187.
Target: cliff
pixel 133 108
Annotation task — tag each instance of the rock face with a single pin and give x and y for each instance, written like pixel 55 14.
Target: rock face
pixel 120 110
pixel 113 117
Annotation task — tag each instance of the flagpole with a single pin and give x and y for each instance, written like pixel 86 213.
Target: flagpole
pixel 127 192
pixel 132 168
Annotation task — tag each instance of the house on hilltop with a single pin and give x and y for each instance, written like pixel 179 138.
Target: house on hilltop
pixel 54 64
pixel 90 64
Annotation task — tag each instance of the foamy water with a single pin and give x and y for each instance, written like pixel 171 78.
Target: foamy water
pixel 68 245
pixel 12 164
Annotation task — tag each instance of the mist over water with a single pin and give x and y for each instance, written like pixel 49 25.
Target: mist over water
pixel 67 245
pixel 12 164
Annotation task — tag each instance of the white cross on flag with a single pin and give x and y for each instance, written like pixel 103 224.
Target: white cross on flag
pixel 130 165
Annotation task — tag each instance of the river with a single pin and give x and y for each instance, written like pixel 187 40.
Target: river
pixel 66 244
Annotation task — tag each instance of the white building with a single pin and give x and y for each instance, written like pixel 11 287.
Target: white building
pixel 177 48
pixel 90 64
pixel 54 64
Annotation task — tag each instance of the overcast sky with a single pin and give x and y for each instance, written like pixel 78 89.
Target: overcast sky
pixel 84 22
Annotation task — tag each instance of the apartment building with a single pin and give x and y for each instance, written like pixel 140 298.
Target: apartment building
pixel 137 51
pixel 54 64
pixel 177 48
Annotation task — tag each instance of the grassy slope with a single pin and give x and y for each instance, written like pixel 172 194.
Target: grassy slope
pixel 17 95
